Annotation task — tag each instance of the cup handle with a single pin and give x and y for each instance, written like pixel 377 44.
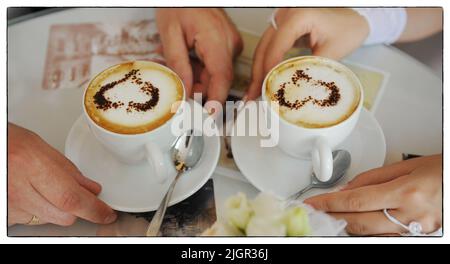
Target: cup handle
pixel 155 157
pixel 322 159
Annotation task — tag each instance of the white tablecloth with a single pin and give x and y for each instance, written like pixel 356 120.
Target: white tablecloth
pixel 410 111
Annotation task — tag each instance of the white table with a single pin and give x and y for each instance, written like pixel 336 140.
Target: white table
pixel 410 111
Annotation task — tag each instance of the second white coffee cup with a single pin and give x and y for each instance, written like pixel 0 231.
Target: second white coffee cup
pixel 315 144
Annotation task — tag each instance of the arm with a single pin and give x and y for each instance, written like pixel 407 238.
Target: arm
pixel 421 23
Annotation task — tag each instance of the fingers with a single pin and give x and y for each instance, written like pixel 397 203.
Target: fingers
pixel 205 78
pixel 282 40
pixel 201 78
pixel 369 223
pixel 376 176
pixel 67 195
pixel 367 198
pixel 271 50
pixel 89 184
pixel 203 83
pixel 254 89
pixel 176 52
pixel 387 173
pixel 35 204
pixel 216 42
pixel 71 169
pixel 218 88
pixel 218 62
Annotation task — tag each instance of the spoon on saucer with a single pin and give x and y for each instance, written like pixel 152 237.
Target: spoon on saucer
pixel 341 163
pixel 185 153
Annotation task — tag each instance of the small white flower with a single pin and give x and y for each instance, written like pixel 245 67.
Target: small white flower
pixel 263 216
pixel 266 205
pixel 297 223
pixel 265 226
pixel 222 229
pixel 238 211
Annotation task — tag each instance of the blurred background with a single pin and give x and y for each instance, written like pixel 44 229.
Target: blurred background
pixel 428 51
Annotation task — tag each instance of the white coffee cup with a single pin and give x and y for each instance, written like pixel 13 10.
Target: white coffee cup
pixel 314 143
pixel 151 146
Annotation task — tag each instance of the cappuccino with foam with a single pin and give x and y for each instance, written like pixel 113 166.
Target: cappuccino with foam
pixel 133 97
pixel 313 92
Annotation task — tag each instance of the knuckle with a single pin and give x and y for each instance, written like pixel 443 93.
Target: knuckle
pixel 413 195
pixel 67 220
pixel 104 214
pixel 298 16
pixel 33 135
pixel 100 213
pixel 353 202
pixel 356 228
pixel 322 205
pixel 69 201
pixel 169 29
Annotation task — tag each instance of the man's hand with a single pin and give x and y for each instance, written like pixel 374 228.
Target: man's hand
pixel 411 190
pixel 215 40
pixel 43 183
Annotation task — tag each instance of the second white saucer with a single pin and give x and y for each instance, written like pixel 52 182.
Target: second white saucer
pixel 271 170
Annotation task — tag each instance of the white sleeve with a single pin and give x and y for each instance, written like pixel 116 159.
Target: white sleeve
pixel 385 24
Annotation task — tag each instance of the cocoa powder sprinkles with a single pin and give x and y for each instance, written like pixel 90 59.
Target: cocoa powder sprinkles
pixel 148 89
pixel 333 96
pixel 104 103
pixel 300 74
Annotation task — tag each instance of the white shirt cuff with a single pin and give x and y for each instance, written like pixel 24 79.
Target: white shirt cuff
pixel 386 24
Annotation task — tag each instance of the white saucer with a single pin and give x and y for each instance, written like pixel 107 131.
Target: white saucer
pixel 131 188
pixel 271 170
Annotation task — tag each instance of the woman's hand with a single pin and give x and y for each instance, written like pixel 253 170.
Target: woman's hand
pixel 215 40
pixel 43 183
pixel 333 33
pixel 411 190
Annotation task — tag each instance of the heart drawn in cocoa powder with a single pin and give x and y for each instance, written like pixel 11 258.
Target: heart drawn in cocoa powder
pixel 105 103
pixel 332 99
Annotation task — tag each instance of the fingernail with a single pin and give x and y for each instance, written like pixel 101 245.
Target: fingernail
pixel 241 105
pixel 209 109
pixel 111 218
pixel 245 98
pixel 213 111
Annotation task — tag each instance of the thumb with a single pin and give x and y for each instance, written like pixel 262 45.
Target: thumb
pixel 89 184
